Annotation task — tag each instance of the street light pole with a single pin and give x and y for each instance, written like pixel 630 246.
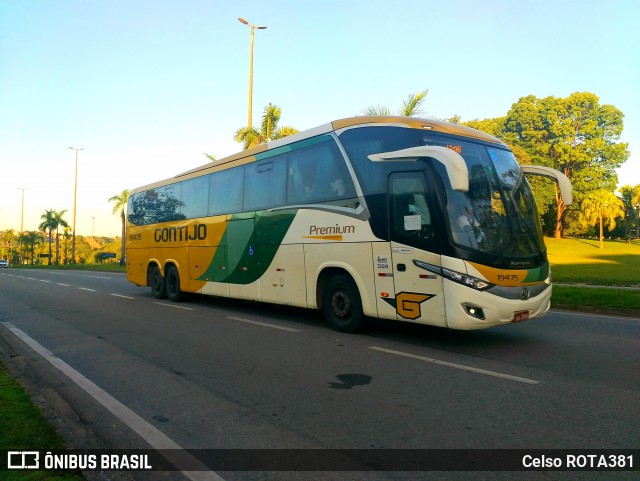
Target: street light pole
pixel 75 190
pixel 21 222
pixel 253 27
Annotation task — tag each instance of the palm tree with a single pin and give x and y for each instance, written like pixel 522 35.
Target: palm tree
pixel 66 235
pixel 120 204
pixel 59 222
pixel 52 219
pixel 410 106
pixel 32 237
pixel 601 205
pixel 47 224
pixel 269 130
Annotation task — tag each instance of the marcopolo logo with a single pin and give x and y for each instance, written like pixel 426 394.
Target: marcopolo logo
pixel 23 460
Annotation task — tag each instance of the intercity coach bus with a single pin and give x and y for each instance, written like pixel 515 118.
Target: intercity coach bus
pixel 392 217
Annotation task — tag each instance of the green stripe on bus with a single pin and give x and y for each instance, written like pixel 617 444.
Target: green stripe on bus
pixel 248 246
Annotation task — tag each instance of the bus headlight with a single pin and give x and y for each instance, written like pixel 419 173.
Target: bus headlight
pixel 455 276
pixel 466 280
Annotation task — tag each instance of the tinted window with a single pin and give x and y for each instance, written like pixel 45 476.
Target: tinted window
pixel 195 193
pixel 169 206
pixel 225 191
pixel 265 184
pixel 362 142
pixel 318 174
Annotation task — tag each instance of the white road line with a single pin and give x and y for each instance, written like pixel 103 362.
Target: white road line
pixel 87 289
pixel 456 366
pixel 99 277
pixel 61 284
pixel 174 306
pixel 265 324
pixel 43 280
pixel 120 295
pixel 152 435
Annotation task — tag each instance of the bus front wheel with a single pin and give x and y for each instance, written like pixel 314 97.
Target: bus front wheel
pixel 342 304
pixel 173 284
pixel 156 281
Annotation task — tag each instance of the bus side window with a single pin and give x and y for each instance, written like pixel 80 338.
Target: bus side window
pixel 225 191
pixel 195 194
pixel 315 174
pixel 265 183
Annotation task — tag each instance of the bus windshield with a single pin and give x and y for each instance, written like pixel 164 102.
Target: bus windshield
pixel 498 214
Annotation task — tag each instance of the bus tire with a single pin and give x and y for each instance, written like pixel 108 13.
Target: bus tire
pixel 156 282
pixel 341 304
pixel 172 283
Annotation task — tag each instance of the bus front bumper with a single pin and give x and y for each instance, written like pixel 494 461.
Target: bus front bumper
pixel 468 308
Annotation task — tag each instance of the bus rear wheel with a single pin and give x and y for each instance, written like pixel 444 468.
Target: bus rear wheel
pixel 156 282
pixel 342 305
pixel 173 284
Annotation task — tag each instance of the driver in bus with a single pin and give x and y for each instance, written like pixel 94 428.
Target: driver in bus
pixel 472 234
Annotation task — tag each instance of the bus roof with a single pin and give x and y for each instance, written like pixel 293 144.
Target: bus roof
pixel 247 156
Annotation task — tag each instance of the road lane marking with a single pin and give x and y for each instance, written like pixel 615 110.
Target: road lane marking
pixel 264 324
pixel 456 366
pixel 99 277
pixel 120 295
pixel 43 280
pixel 87 289
pixel 152 435
pixel 174 306
pixel 61 284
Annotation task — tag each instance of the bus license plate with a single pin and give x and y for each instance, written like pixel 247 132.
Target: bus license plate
pixel 520 316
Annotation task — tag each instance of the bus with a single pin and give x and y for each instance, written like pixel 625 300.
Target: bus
pixel 398 218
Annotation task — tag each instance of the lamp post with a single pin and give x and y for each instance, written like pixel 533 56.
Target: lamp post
pixel 75 190
pixel 21 222
pixel 253 27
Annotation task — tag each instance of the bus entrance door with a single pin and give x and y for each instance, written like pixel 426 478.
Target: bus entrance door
pixel 419 295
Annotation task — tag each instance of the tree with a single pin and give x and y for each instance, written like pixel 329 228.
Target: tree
pixel 252 137
pixel 51 220
pixel 47 224
pixel 601 205
pixel 631 200
pixel 7 242
pixel 410 106
pixel 575 135
pixel 32 238
pixel 120 204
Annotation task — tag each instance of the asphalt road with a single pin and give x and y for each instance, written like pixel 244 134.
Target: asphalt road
pixel 220 374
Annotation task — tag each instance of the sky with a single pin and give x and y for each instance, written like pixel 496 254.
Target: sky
pixel 147 87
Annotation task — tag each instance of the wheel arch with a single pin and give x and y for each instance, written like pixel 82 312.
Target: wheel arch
pixel 328 271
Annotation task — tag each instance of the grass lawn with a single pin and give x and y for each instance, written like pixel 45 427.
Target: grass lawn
pixel 22 427
pixel 582 261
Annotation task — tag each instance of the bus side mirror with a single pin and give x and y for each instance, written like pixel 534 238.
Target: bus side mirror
pixel 453 162
pixel 566 189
